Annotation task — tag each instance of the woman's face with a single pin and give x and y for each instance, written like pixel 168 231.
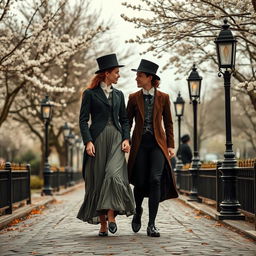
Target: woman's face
pixel 143 80
pixel 112 76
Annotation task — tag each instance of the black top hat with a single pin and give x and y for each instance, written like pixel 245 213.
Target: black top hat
pixel 185 138
pixel 148 67
pixel 107 62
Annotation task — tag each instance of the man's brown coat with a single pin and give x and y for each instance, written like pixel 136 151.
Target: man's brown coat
pixel 164 136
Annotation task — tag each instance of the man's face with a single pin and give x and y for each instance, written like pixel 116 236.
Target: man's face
pixel 142 79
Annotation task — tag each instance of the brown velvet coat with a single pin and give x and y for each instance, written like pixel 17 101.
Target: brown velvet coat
pixel 164 136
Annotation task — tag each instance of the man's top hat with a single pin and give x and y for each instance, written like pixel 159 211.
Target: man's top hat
pixel 185 138
pixel 148 67
pixel 107 62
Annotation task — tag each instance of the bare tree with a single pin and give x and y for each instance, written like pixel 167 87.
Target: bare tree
pixel 210 117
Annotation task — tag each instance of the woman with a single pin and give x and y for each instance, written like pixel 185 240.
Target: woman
pixel 108 192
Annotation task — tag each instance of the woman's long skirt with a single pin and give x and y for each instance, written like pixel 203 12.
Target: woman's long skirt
pixel 106 179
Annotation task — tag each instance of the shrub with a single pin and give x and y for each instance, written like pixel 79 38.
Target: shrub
pixel 36 182
pixel 30 157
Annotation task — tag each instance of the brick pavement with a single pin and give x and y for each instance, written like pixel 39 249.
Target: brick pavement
pixel 183 232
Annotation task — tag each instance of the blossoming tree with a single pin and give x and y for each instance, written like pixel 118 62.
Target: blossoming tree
pixel 185 30
pixel 47 51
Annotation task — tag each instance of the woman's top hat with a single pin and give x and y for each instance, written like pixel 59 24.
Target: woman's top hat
pixel 107 62
pixel 148 67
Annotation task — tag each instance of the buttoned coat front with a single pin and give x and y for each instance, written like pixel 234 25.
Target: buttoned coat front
pixel 95 106
pixel 164 136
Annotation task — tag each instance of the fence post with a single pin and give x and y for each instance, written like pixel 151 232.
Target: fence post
pixel 8 167
pixel 58 179
pixel 218 182
pixel 66 177
pixel 28 186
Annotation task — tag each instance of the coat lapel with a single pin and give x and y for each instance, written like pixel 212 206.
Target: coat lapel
pixel 101 95
pixel 157 104
pixel 115 98
pixel 140 102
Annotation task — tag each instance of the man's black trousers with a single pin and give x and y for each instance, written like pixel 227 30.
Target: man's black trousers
pixel 149 166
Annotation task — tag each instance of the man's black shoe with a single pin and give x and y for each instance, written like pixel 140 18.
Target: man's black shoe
pixel 152 231
pixel 136 221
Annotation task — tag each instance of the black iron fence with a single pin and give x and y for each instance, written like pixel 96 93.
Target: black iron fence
pixel 210 186
pixel 14 185
pixel 64 177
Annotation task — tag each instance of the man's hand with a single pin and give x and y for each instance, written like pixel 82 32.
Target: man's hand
pixel 126 146
pixel 171 152
pixel 90 149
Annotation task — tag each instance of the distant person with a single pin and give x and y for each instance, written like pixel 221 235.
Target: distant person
pixel 185 151
pixel 107 189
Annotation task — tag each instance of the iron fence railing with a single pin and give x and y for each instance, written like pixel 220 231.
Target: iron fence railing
pixel 14 185
pixel 210 185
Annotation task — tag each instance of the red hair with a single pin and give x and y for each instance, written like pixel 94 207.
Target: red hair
pixel 100 77
pixel 96 80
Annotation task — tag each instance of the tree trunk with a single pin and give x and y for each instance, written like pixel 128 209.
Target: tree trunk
pixel 254 4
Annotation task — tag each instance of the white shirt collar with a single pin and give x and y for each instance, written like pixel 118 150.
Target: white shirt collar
pixel 106 88
pixel 150 92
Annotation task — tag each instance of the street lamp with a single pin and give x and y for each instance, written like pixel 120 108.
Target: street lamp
pixel 78 142
pixel 226 52
pixel 179 105
pixel 46 114
pixel 66 129
pixel 194 87
pixel 71 140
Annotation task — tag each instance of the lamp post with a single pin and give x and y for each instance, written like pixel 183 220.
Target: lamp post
pixel 78 142
pixel 46 114
pixel 194 87
pixel 66 133
pixel 71 140
pixel 226 52
pixel 179 105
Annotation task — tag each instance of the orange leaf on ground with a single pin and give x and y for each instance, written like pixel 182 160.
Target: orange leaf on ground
pixel 218 224
pixel 14 222
pixel 36 211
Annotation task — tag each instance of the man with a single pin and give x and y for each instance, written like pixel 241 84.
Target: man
pixel 152 146
pixel 185 151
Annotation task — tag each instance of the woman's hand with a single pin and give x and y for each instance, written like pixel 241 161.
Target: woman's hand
pixel 90 149
pixel 171 152
pixel 126 146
